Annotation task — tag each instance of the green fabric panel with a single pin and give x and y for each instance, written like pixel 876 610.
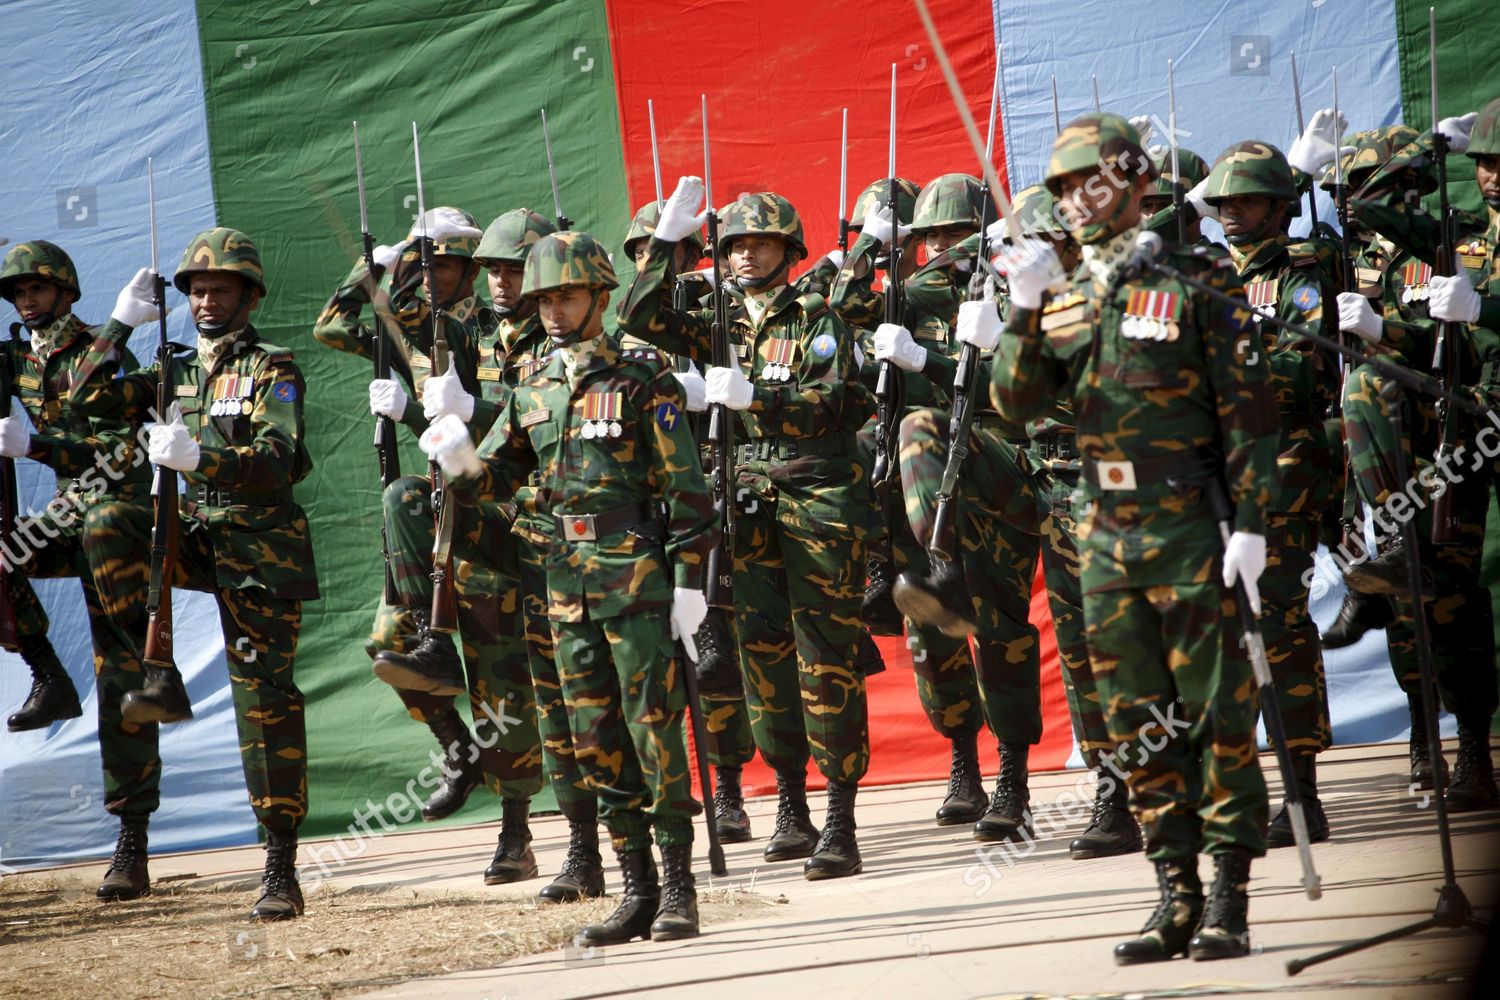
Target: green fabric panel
pixel 283 83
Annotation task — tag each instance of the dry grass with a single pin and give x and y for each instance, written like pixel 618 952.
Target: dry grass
pixel 192 939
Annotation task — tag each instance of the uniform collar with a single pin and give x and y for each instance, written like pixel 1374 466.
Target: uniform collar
pixel 760 307
pixel 213 352
pixel 53 338
pixel 1260 255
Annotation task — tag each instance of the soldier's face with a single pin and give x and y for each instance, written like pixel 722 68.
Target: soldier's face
pixel 453 278
pixel 754 257
pixel 1487 173
pixel 1250 215
pixel 37 298
pixel 504 280
pixel 563 310
pixel 221 300
pixel 1095 197
pixel 940 239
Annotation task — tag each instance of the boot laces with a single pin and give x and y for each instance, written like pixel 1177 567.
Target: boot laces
pixel 280 878
pixel 1227 904
pixel 958 772
pixel 129 848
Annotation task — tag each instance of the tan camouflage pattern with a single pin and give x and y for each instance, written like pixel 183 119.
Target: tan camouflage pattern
pixel 511 236
pixel 38 259
pixel 564 260
pixel 1249 168
pixel 220 249
pixel 762 214
pixel 949 200
pixel 1095 142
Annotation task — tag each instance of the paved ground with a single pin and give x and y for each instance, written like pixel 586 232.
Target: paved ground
pixel 933 917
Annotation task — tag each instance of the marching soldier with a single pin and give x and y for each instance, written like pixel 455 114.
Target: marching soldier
pixel 1192 171
pixel 799 549
pixel 604 428
pixel 238 441
pixel 1168 386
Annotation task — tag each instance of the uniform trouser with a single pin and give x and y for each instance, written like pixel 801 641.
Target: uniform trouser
pixel 798 583
pixel 998 535
pixel 1180 704
pixel 1293 649
pixel 1460 620
pixel 622 684
pixel 486 571
pixel 260 645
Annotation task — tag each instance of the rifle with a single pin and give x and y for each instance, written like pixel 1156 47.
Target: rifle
pixel 1177 188
pixel 888 380
pixel 844 186
pixel 444 616
pixel 386 450
pixel 719 588
pixel 158 651
pixel 563 222
pixel 1446 524
pixel 1312 193
pixel 655 156
pixel 1347 279
pixel 1098 108
pixel 8 503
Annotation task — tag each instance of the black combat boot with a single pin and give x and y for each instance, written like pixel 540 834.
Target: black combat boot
pixel 582 874
pixel 730 819
pixel 1111 830
pixel 1387 573
pixel 1305 773
pixel 461 771
pixel 163 698
pixel 1421 761
pixel 127 877
pixel 795 835
pixel 940 599
pixel 837 854
pixel 280 895
pixel 1360 613
pixel 677 915
pixel 867 659
pixel 966 800
pixel 878 611
pixel 638 904
pixel 1473 785
pixel 514 860
pixel 718 666
pixel 1171 926
pixel 53 697
pixel 1009 815
pixel 433 664
pixel 1224 931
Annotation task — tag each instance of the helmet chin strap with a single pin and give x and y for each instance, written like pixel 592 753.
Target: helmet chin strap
pixel 48 318
pixel 757 284
pixel 575 335
pixel 213 331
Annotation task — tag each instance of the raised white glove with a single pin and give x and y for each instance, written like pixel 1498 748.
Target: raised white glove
pixel 447 441
pixel 979 324
pixel 1356 314
pixel 877 225
pixel 693 388
pixel 1316 147
pixel 1456 131
pixel 1146 130
pixel 444 223
pixel 385 257
pixel 893 343
pixel 387 398
pixel 730 387
pixel 444 394
pixel 682 213
pixel 688 611
pixel 835 257
pixel 1195 198
pixel 15 435
pixel 1452 300
pixel 1245 559
pixel 134 304
pixel 171 445
pixel 1032 267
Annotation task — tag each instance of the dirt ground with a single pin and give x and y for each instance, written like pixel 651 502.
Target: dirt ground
pixel 191 939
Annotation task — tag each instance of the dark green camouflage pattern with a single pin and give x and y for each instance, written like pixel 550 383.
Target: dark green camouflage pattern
pixel 1097 142
pixel 568 260
pixel 763 214
pixel 1484 137
pixel 1190 166
pixel 878 195
pixel 643 224
pixel 511 236
pixel 37 259
pixel 949 200
pixel 1250 168
pixel 220 249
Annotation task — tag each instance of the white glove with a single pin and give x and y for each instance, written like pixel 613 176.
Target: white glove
pixel 1245 559
pixel 979 324
pixel 171 445
pixel 1316 147
pixel 1195 198
pixel 385 257
pixel 693 388
pixel 387 398
pixel 15 435
pixel 447 441
pixel 893 343
pixel 1145 129
pixel 877 225
pixel 682 213
pixel 997 232
pixel 134 304
pixel 1032 267
pixel 730 387
pixel 688 611
pixel 445 223
pixel 1452 300
pixel 444 394
pixel 835 257
pixel 1456 131
pixel 1356 314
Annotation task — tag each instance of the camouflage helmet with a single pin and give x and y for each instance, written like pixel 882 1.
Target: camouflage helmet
pixel 763 214
pixel 1373 149
pixel 511 236
pixel 566 260
pixel 1035 212
pixel 1484 137
pixel 1093 142
pixel 453 246
pixel 643 224
pixel 220 249
pixel 1190 165
pixel 1250 168
pixel 37 259
pixel 878 195
pixel 949 200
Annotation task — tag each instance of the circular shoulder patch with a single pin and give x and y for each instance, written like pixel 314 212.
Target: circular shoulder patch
pixel 824 345
pixel 285 391
pixel 667 415
pixel 1306 298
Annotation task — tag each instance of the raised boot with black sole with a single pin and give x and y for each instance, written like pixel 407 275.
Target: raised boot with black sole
pixel 639 902
pixel 837 853
pixel 940 599
pixel 878 610
pixel 280 895
pixel 677 913
pixel 1473 786
pixel 514 861
pixel 1170 927
pixel 1112 830
pixel 965 801
pixel 1387 572
pixel 461 772
pixel 1224 931
pixel 795 836
pixel 1009 814
pixel 1358 614
pixel 582 873
pixel 53 697
pixel 1305 773
pixel 127 876
pixel 432 665
pixel 730 819
pixel 162 698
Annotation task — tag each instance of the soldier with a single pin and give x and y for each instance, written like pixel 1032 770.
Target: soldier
pixel 1167 385
pixel 799 546
pixel 1250 187
pixel 238 441
pixel 94 460
pixel 604 428
pixel 823 275
pixel 1192 171
pixel 408 653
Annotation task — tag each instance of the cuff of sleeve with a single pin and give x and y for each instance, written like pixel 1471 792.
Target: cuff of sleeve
pixel 224 463
pixel 1249 518
pixel 762 400
pixel 688 576
pixel 41 449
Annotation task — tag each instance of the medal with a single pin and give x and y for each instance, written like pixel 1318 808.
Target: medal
pixel 588 430
pixel 601 414
pixel 778 356
pixel 1262 296
pixel 1148 315
pixel 615 430
pixel 1415 277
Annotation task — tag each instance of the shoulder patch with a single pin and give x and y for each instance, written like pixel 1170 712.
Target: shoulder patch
pixel 668 415
pixel 1306 298
pixel 284 391
pixel 824 345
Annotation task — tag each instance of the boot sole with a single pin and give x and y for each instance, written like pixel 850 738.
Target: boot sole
pixel 673 935
pixel 122 897
pixel 790 855
pixel 1090 853
pixel 408 679
pixel 139 714
pixel 1152 960
pixel 963 819
pixel 734 836
pixel 506 878
pixel 924 609
pixel 822 874
pixel 998 837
